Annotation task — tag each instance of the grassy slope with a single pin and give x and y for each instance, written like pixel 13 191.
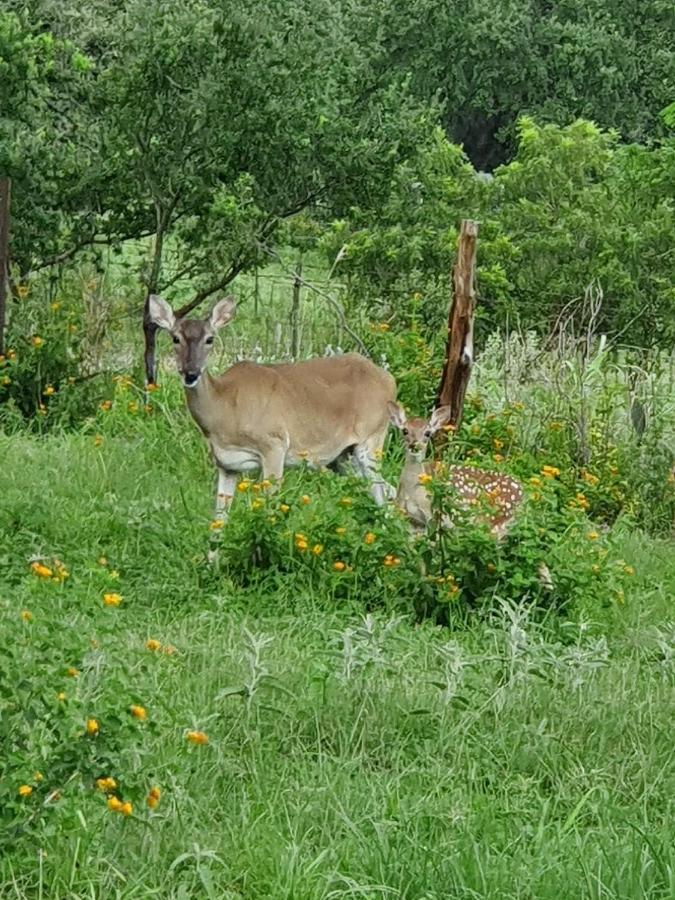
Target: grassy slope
pixel 416 764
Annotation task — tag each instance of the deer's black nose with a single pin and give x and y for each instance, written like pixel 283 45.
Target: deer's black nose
pixel 191 378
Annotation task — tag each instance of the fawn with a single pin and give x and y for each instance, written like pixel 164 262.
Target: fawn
pixel 472 485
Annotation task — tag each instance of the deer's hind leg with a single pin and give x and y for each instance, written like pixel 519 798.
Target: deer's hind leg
pixel 367 456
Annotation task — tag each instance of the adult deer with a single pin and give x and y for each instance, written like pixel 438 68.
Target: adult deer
pixel 270 417
pixel 473 486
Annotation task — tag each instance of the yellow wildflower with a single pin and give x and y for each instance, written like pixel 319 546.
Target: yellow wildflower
pixel 41 571
pixel 341 530
pixel 106 405
pixel 497 444
pixel 72 672
pixel 98 440
pixel 22 291
pixel 112 599
pixel 550 471
pixel 61 696
pixel 390 560
pixel 244 485
pixel 138 712
pixel 152 644
pixel 196 737
pixel 535 481
pixel 102 561
pixel 49 390
pixel 114 573
pixel 369 538
pixel 305 499
pixel 257 504
pixel 26 615
pixel 152 387
pixel 339 566
pixel 284 507
pixel 38 776
pixel 592 535
pixel 153 797
pixel 629 570
pixel 595 569
pixel 92 727
pixel 555 426
pixel 37 341
pixel 613 470
pixel 301 544
pixel 25 790
pixel 114 804
pixel 106 784
pixel 346 501
pixel 425 478
pixel 498 457
pixel 216 524
pixel 317 549
pixel 589 478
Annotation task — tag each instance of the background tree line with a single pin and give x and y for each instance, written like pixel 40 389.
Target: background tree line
pixel 216 128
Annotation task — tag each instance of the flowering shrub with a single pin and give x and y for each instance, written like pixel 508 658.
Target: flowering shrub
pixel 336 543
pixel 44 373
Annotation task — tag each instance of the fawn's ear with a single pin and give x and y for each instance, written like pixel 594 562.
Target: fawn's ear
pixel 396 415
pixel 439 418
pixel 222 312
pixel 160 312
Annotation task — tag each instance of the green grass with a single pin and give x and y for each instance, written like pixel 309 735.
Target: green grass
pixel 348 756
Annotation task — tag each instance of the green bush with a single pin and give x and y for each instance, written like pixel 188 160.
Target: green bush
pixel 45 375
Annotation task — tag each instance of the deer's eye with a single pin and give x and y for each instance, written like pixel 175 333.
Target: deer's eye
pixel 405 431
pixel 427 434
pixel 209 340
pixel 175 339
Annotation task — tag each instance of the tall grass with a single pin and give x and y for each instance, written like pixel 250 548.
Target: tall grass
pixel 349 755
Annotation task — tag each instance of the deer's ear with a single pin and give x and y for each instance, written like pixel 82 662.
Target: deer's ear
pixel 397 415
pixel 439 418
pixel 160 312
pixel 223 312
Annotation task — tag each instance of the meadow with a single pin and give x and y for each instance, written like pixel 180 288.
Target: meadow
pixel 272 726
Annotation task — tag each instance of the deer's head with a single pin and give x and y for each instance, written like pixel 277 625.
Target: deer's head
pixel 192 338
pixel 417 432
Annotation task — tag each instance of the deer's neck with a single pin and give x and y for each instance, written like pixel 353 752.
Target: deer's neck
pixel 201 402
pixel 412 495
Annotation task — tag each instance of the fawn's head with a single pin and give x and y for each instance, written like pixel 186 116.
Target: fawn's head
pixel 417 432
pixel 192 338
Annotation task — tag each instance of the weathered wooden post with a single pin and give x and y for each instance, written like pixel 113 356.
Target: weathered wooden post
pixel 459 347
pixel 295 311
pixel 5 194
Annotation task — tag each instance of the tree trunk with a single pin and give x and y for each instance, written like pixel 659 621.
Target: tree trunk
pixel 459 347
pixel 149 327
pixel 5 193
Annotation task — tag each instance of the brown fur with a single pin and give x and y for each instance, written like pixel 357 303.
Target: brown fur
pixel 274 416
